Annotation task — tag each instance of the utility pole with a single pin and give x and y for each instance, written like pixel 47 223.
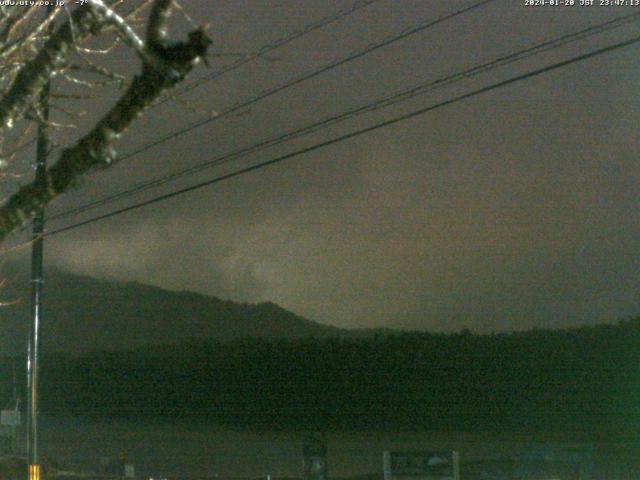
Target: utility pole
pixel 37 280
pixel 37 252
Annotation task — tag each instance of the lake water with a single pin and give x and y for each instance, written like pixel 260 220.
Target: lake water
pixel 190 449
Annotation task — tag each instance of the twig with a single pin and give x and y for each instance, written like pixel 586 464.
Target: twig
pixel 96 148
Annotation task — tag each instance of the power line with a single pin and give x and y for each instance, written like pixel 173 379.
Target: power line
pixel 260 52
pixel 381 103
pixel 424 25
pixel 356 133
pixel 266 49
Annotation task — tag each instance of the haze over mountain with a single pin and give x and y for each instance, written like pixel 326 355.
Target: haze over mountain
pixel 84 313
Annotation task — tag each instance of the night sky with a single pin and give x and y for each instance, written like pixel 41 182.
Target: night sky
pixel 514 209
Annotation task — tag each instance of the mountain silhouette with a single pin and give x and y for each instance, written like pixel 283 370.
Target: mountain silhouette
pixel 83 313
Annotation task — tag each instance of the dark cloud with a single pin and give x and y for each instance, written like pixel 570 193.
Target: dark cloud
pixel 514 209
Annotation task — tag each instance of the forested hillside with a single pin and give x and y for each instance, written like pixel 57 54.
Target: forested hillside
pixel 585 381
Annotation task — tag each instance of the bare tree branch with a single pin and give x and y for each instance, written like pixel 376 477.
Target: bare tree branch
pixel 13 19
pixel 157 29
pixel 91 67
pixel 171 63
pixel 122 27
pixel 34 74
pixel 26 40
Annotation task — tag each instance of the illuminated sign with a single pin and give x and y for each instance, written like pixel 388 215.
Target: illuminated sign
pixel 441 465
